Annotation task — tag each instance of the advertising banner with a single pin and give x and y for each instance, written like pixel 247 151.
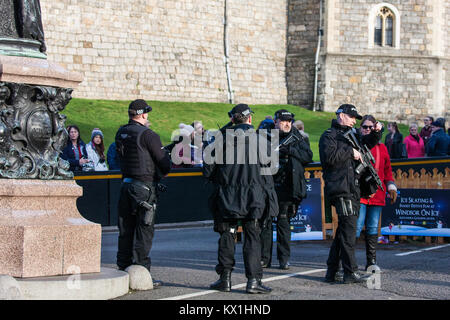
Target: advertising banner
pixel 418 212
pixel 307 224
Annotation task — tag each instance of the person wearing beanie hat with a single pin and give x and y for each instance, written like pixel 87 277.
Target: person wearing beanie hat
pixel 96 151
pixel 96 132
pixel 143 163
pixel 185 129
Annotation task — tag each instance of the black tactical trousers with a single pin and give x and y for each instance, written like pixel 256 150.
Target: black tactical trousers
pixel 343 246
pixel 135 237
pixel 283 228
pixel 251 248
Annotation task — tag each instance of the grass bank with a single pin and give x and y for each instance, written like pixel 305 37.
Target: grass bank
pixel 165 117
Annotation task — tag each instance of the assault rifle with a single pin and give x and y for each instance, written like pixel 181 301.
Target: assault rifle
pixel 291 139
pixel 366 162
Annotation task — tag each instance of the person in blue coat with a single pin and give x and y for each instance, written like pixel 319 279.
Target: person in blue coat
pixel 112 158
pixel 439 143
pixel 75 150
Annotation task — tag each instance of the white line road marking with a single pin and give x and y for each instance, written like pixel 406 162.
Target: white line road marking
pixel 408 253
pixel 418 251
pixel 241 285
pixel 438 247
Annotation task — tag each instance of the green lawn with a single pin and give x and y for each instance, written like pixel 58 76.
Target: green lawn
pixel 165 117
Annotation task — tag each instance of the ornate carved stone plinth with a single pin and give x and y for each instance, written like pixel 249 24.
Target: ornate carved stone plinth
pixel 42 232
pixel 32 131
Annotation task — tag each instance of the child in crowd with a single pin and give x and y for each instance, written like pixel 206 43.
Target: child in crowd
pixel 95 150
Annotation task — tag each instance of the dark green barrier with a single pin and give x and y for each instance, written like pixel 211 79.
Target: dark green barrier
pixel 186 198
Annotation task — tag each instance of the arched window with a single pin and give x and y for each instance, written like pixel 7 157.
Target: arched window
pixel 384 26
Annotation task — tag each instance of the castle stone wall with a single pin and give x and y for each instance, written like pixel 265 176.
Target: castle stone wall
pixel 170 49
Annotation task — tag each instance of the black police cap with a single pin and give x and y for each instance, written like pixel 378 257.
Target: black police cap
pixel 284 115
pixel 241 108
pixel 139 106
pixel 350 110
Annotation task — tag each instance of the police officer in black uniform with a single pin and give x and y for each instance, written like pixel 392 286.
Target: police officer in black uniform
pixel 143 162
pixel 290 185
pixel 342 188
pixel 242 193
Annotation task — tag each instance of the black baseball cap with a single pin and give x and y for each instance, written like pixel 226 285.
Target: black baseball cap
pixel 284 115
pixel 241 108
pixel 138 106
pixel 350 110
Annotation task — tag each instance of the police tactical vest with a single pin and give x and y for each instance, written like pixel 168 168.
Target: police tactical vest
pixel 134 159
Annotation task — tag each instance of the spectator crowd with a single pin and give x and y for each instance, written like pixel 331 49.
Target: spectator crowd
pixel 91 156
pixel 431 141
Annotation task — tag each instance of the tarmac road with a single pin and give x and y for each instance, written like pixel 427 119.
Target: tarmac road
pixel 184 259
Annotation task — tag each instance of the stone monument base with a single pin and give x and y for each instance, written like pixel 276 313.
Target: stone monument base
pixel 41 231
pixel 109 283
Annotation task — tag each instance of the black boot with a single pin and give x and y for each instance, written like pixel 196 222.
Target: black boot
pixel 354 277
pixel 224 282
pixel 330 277
pixel 371 250
pixel 256 286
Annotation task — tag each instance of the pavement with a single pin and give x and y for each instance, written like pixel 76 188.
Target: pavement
pixel 184 258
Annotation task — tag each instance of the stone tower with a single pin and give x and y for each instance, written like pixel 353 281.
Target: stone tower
pixel 390 59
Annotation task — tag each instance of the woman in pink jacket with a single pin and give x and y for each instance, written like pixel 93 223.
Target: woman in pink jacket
pixel 415 145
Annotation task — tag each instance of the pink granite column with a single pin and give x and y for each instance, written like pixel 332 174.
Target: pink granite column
pixel 41 231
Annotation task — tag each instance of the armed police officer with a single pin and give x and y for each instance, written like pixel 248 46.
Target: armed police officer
pixel 342 187
pixel 290 186
pixel 143 162
pixel 242 193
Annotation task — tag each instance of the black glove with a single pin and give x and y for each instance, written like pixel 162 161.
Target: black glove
pixel 284 151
